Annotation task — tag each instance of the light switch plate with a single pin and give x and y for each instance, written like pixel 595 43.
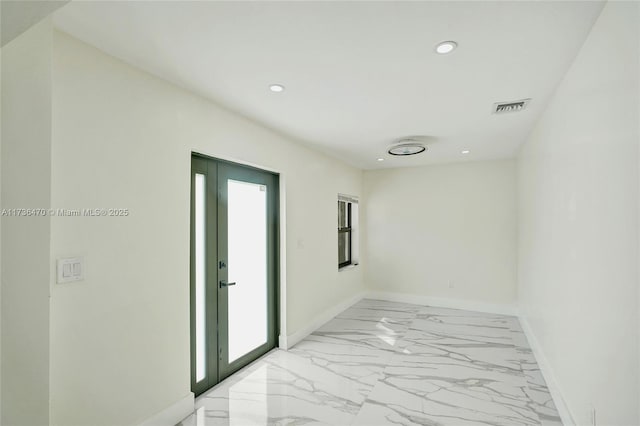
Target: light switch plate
pixel 70 269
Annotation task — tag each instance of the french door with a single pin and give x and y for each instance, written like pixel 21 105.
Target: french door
pixel 234 268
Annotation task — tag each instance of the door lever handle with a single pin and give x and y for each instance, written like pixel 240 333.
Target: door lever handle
pixel 223 283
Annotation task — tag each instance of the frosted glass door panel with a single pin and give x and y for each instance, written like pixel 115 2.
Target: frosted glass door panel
pixel 247 263
pixel 200 290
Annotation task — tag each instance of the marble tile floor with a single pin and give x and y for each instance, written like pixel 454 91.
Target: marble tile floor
pixel 388 363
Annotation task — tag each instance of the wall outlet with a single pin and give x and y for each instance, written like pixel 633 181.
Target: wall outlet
pixel 451 284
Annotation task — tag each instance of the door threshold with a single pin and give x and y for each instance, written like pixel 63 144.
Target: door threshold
pixel 235 376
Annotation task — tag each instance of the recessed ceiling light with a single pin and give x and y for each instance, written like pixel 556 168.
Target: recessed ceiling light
pixel 277 88
pixel 466 151
pixel 380 159
pixel 445 47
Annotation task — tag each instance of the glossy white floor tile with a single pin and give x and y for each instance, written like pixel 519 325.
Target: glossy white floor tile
pixel 387 363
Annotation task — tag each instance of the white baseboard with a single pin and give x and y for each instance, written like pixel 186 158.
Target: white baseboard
pixel 282 342
pixel 287 342
pixel 441 302
pixel 547 373
pixel 173 414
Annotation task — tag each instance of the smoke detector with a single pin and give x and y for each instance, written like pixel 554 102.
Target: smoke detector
pixel 513 106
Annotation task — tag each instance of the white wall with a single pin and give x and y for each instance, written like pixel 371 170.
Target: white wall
pixel 26 173
pixel 578 225
pixel 122 138
pixel 427 226
pixel 0 226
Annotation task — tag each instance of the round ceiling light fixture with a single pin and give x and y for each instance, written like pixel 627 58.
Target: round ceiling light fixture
pixel 276 88
pixel 445 47
pixel 404 149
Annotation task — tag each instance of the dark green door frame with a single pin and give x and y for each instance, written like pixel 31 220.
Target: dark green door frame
pixel 216 173
pixel 210 171
pixel 228 171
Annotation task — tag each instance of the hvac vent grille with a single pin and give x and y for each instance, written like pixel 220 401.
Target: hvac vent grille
pixel 515 106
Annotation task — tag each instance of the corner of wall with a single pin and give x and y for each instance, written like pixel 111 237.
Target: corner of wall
pixel 173 414
pixel 287 342
pixel 25 176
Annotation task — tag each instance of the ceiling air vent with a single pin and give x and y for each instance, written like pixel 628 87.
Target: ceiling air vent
pixel 515 106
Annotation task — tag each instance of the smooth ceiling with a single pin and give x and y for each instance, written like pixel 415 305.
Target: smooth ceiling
pixel 358 75
pixel 16 16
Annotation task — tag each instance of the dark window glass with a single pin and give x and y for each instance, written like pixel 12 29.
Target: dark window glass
pixel 344 233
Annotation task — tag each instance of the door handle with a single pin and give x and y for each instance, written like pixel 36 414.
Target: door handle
pixel 223 283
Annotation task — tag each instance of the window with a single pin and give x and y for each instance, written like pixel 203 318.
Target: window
pixel 344 233
pixel 347 234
